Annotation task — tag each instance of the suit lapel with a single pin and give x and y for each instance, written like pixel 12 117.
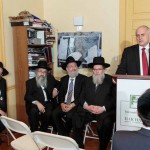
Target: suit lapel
pixel 66 83
pixel 137 58
pixel 76 84
pixel 149 61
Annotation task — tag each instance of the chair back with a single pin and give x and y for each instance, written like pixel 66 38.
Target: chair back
pixel 15 125
pixel 24 142
pixel 55 141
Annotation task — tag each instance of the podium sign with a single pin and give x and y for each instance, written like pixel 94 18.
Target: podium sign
pixel 129 89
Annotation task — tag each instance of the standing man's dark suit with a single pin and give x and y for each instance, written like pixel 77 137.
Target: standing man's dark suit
pixel 130 62
pixel 131 57
pixel 101 97
pixel 132 140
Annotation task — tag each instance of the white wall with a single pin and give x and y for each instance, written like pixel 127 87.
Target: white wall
pixel 12 8
pixel 99 15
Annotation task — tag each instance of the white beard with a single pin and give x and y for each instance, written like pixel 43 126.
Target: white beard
pixel 73 75
pixel 98 79
pixel 41 81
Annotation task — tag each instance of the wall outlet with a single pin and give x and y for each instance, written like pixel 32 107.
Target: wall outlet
pixel 79 28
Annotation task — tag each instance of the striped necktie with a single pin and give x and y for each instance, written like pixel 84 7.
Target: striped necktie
pixel 70 91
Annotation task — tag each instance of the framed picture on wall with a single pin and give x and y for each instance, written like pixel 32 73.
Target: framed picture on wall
pixel 83 46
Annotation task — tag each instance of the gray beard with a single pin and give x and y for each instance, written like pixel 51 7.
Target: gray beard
pixel 41 81
pixel 73 75
pixel 98 79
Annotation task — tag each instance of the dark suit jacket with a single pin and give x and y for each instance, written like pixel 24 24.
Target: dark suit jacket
pixel 131 140
pixel 3 95
pixel 79 84
pixel 3 99
pixel 130 62
pixel 34 93
pixel 103 96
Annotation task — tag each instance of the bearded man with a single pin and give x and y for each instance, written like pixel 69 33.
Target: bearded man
pixel 39 95
pixel 97 102
pixel 68 97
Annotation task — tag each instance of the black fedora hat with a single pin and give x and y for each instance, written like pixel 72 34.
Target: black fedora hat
pixel 143 105
pixel 5 72
pixel 98 61
pixel 70 59
pixel 42 64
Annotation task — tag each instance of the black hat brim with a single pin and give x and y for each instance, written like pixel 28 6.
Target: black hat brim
pixel 37 67
pixel 64 65
pixel 106 65
pixel 5 72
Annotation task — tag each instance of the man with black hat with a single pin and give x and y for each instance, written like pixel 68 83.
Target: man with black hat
pixel 3 95
pixel 136 140
pixel 97 103
pixel 39 97
pixel 70 90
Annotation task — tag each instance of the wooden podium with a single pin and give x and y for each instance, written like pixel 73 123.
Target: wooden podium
pixel 129 89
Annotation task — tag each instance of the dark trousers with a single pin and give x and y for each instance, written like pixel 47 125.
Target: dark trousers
pixel 104 129
pixel 63 120
pixel 40 121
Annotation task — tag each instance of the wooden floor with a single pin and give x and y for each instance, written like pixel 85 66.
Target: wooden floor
pixel 90 144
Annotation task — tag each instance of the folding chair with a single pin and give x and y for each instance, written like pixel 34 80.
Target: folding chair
pixel 89 133
pixel 24 142
pixel 57 142
pixel 50 128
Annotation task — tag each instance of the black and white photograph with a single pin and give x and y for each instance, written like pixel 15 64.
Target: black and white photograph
pixel 83 46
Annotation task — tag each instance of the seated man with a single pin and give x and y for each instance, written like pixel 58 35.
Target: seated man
pixel 70 89
pixel 39 97
pixel 97 103
pixel 3 95
pixel 136 140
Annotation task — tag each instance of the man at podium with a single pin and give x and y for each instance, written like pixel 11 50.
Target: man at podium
pixel 135 59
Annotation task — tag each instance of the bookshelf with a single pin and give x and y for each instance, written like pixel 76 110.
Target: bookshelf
pixel 30 44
